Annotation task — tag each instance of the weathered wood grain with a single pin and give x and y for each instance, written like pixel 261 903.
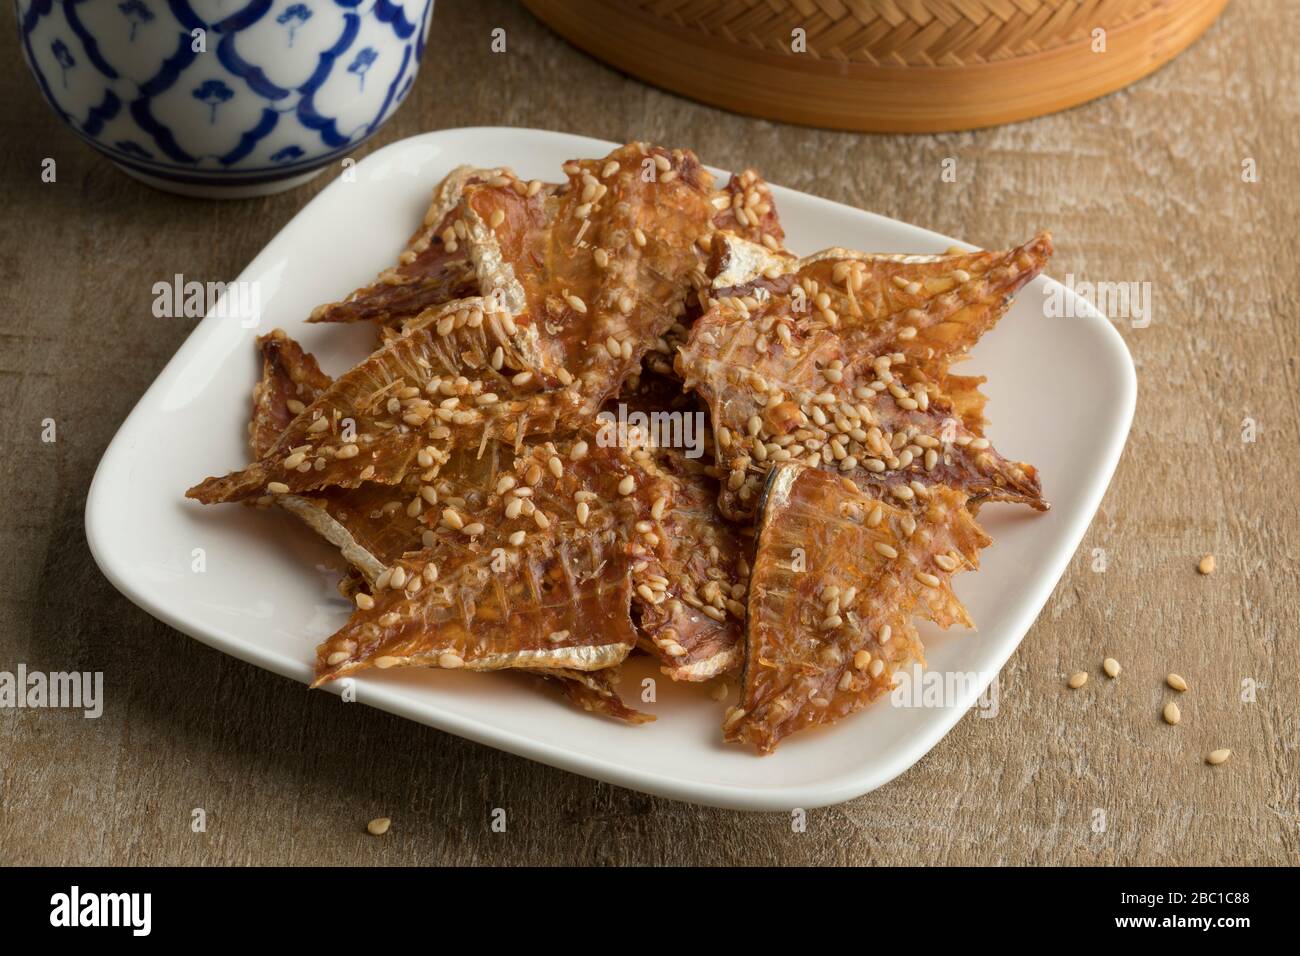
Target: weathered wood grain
pixel 1143 185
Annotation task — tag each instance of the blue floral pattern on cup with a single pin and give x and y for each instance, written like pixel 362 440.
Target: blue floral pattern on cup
pixel 224 92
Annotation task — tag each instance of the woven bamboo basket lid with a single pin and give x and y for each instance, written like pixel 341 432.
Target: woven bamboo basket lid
pixel 885 65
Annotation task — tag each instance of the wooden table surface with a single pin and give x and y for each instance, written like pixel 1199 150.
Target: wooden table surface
pixel 1144 185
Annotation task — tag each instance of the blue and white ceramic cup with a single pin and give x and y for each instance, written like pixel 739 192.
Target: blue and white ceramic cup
pixel 224 98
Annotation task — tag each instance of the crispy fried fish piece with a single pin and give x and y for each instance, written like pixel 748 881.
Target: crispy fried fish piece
pixel 594 274
pixel 837 578
pixel 784 386
pixel 595 693
pixel 745 209
pixel 933 309
pixel 290 381
pixel 433 269
pixel 689 566
pixel 371 524
pixel 533 572
pixel 420 395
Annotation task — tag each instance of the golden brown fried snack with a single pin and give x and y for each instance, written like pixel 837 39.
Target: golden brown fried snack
pixel 535 573
pixel 785 379
pixel 290 381
pixel 416 398
pixel 595 693
pixel 689 568
pixel 932 309
pixel 745 208
pixel 837 578
pixel 372 524
pixel 783 387
pixel 596 273
pixel 433 269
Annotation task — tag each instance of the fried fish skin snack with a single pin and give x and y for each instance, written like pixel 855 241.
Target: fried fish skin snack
pixel 799 395
pixel 837 578
pixel 594 274
pixel 536 573
pixel 594 692
pixel 290 381
pixel 433 269
pixel 422 391
pixel 746 209
pixel 933 309
pixel 372 526
pixel 689 567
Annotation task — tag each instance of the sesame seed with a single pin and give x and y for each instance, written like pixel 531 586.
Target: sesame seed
pixel 453 518
pixel 514 507
pixel 1207 565
pixel 517 538
pixel 450 661
pixel 1077 680
pixel 338 657
pixel 861 659
pixel 1172 714
pixel 498 217
pixel 877 666
pixel 505 483
pixel 902 492
pixel 473 529
pixel 385 662
pixel 884 634
pixel 378 826
pixel 1177 682
pixel 885 550
pixel 277 488
pixel 1111 667
pixel 364 601
pixel 584 510
pixel 961 275
pixel 627 485
pixel 294 406
pixel 1217 757
pixel 556 466
pixel 348 451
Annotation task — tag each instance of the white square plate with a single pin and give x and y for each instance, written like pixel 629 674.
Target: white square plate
pixel 1061 392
